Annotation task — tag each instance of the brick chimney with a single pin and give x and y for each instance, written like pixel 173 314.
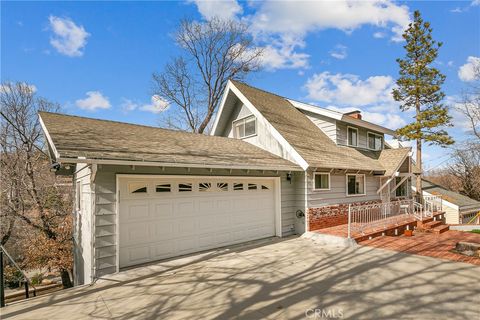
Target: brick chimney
pixel 355 114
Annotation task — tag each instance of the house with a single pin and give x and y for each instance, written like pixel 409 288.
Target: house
pixel 272 166
pixel 459 209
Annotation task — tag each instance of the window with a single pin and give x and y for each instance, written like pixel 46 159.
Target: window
pixel 375 141
pixel 321 181
pixel 204 186
pixel 355 184
pixel 184 187
pixel 237 186
pixel 137 187
pixel 252 186
pixel 401 191
pixel 245 127
pixel 222 186
pixel 264 187
pixel 167 187
pixel 352 136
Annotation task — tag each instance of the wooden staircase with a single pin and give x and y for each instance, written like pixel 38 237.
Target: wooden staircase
pixel 432 226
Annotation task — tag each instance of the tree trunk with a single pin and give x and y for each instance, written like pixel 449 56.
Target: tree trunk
pixel 419 165
pixel 66 282
pixel 419 158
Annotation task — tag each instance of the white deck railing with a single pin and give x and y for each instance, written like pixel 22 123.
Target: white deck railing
pixel 387 213
pixel 432 204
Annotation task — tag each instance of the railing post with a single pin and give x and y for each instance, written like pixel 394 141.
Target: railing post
pixel 349 220
pixel 2 284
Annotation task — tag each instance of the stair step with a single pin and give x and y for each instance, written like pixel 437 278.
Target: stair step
pixel 441 229
pixel 432 224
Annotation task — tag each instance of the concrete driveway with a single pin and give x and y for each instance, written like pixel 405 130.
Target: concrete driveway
pixel 291 278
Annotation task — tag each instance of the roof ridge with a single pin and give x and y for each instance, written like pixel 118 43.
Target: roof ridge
pixel 259 89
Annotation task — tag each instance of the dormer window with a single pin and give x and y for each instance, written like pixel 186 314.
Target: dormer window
pixel 352 136
pixel 375 141
pixel 246 127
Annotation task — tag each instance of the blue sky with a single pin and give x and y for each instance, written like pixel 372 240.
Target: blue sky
pixel 96 58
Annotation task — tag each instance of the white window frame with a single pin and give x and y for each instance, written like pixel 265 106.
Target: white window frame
pixel 364 184
pixel 321 173
pixel 348 142
pixel 405 184
pixel 378 135
pixel 243 120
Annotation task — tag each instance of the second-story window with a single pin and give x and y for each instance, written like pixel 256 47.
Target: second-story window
pixel 375 141
pixel 245 127
pixel 352 136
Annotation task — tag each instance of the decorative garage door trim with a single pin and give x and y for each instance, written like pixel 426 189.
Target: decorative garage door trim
pixel 133 187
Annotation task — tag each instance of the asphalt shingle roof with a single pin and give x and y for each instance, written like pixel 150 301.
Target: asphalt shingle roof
pixel 75 137
pixel 313 145
pixel 450 196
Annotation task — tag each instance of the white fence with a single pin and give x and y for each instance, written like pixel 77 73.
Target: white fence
pixel 383 214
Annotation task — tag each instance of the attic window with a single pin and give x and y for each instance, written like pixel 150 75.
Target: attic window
pixel 375 141
pixel 352 136
pixel 246 127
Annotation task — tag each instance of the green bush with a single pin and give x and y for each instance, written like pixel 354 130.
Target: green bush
pixel 36 279
pixel 475 231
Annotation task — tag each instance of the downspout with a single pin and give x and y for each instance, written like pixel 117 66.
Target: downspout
pixel 93 268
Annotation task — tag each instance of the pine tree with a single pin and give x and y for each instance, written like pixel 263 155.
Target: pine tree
pixel 419 87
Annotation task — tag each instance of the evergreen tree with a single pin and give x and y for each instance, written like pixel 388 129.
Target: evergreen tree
pixel 419 87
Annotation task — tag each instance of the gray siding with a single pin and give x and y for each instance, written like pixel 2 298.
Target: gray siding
pixel 263 139
pixel 327 125
pixel 83 228
pixel 105 202
pixel 338 190
pixel 362 135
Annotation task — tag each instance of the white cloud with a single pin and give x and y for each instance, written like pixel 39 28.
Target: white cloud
pixel 468 70
pixel 457 10
pixel 283 56
pixel 475 3
pixel 340 52
pixel 379 35
pixel 4 88
pixel 94 101
pixel 69 39
pixel 157 105
pixel 128 105
pixel 348 89
pixel 288 17
pixel 223 9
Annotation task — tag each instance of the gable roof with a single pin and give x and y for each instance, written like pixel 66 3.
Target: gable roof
pixel 105 141
pixel 450 196
pixel 313 145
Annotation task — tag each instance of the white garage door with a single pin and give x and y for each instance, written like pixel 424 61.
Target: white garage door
pixel 162 217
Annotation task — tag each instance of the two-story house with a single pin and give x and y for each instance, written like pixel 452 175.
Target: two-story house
pixel 272 166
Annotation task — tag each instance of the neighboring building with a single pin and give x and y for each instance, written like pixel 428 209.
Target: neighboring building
pixel 271 167
pixel 459 209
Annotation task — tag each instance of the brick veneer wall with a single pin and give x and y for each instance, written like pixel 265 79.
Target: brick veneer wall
pixel 332 215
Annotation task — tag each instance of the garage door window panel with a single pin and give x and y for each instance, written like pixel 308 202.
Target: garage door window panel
pixel 185 187
pixel 137 187
pixel 167 187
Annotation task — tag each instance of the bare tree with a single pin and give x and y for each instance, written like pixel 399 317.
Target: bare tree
pixel 29 193
pixel 465 166
pixel 192 83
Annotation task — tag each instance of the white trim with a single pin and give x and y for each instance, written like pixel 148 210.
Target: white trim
pixel 358 140
pixel 220 109
pixel 169 164
pixel 283 142
pixel 378 135
pixel 244 119
pixel 341 117
pixel 276 183
pixel 321 189
pixel 47 135
pixel 364 185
